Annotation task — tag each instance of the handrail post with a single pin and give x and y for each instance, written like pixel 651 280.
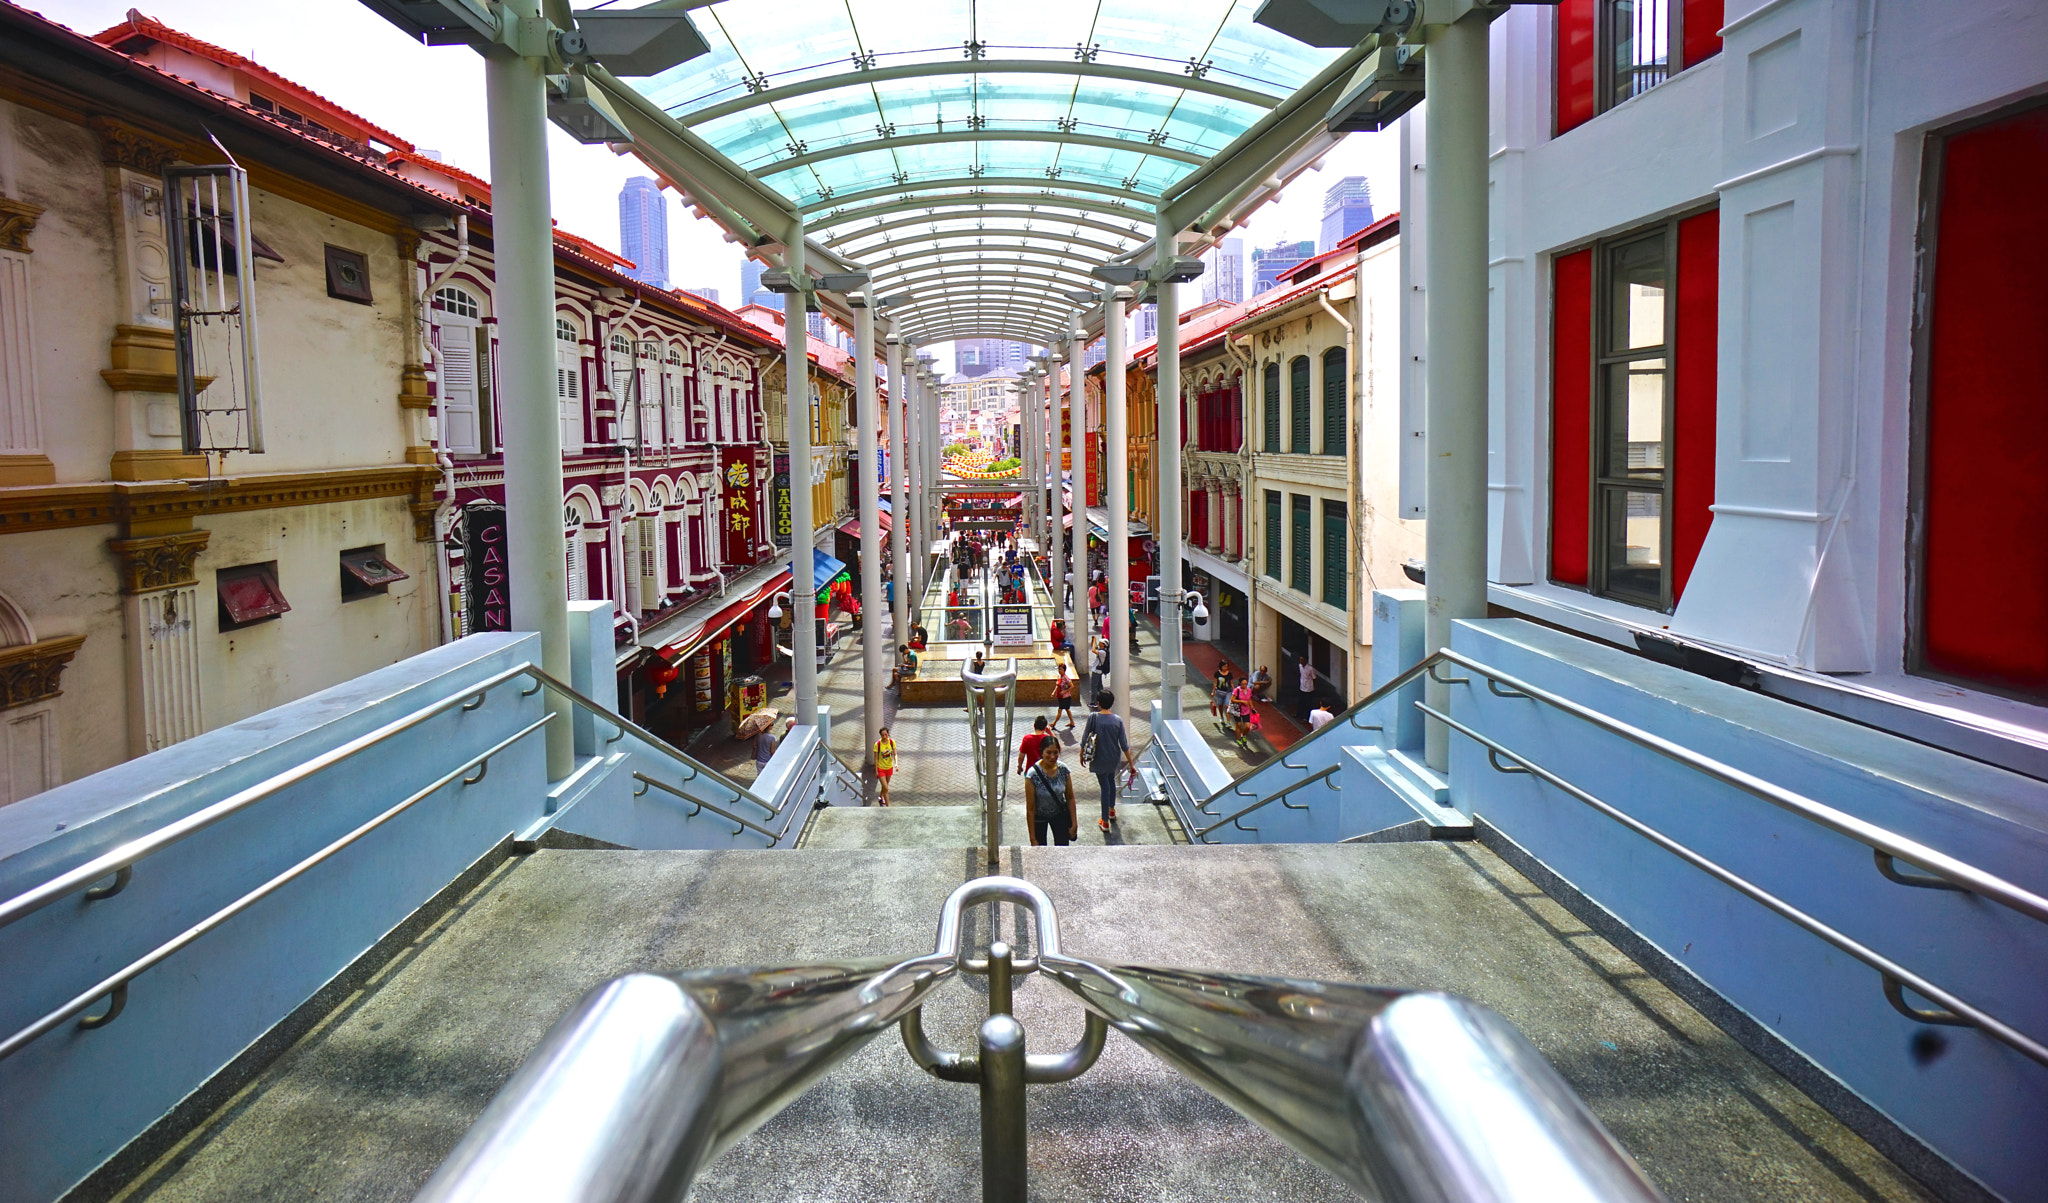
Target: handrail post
pixel 1003 1173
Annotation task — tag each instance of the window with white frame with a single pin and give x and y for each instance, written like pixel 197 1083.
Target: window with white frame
pixel 569 384
pixel 459 354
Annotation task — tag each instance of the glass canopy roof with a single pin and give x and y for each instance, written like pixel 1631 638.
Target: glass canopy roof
pixel 982 156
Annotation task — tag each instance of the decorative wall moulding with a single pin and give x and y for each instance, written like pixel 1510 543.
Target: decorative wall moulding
pixel 123 145
pixel 30 672
pixel 17 222
pixel 159 562
pixel 163 504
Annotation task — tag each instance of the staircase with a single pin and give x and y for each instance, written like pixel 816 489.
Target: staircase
pixel 369 1103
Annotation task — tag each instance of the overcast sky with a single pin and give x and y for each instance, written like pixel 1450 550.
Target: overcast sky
pixel 433 98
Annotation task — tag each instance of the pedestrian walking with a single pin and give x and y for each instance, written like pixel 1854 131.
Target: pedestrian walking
pixel 764 745
pixel 1105 748
pixel 1063 698
pixel 1027 747
pixel 1219 694
pixel 1049 799
pixel 885 763
pixel 1308 689
pixel 1320 717
pixel 1243 710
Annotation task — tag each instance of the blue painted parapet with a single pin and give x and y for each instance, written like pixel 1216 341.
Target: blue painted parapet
pixel 1977 1101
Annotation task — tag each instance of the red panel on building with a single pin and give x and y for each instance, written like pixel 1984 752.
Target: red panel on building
pixel 1702 30
pixel 1984 567
pixel 1693 384
pixel 1571 415
pixel 738 476
pixel 1577 80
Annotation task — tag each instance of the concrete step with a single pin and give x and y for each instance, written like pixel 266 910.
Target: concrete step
pixel 368 1104
pixel 906 824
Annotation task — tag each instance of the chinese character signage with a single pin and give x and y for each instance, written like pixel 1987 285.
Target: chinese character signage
pixel 779 499
pixel 486 583
pixel 742 499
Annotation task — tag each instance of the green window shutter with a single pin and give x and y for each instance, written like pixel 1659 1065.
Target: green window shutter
pixel 1336 535
pixel 1273 530
pixel 1298 373
pixel 1300 581
pixel 1335 428
pixel 1273 408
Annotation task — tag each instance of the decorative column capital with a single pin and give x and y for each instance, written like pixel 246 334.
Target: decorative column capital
pixel 29 672
pixel 123 145
pixel 17 222
pixel 159 561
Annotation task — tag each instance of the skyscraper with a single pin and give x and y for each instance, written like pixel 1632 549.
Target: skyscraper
pixel 1224 279
pixel 751 292
pixel 980 356
pixel 643 230
pixel 1269 262
pixel 709 294
pixel 1347 209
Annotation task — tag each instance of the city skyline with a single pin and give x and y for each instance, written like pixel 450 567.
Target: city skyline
pixel 643 230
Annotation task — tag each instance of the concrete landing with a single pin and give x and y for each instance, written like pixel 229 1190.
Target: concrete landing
pixel 368 1104
pixel 924 826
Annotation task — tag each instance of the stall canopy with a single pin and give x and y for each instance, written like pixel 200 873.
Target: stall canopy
pixel 824 568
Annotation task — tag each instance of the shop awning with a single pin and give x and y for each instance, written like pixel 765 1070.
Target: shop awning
pixel 851 527
pixel 824 568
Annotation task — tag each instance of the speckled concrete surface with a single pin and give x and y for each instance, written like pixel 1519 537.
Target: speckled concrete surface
pixel 367 1105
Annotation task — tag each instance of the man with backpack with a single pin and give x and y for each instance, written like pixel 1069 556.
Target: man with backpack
pixel 1049 799
pixel 1103 742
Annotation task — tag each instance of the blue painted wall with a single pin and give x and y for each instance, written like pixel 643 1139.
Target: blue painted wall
pixel 1982 1104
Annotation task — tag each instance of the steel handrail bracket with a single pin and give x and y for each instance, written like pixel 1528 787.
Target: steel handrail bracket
pixel 1405 1096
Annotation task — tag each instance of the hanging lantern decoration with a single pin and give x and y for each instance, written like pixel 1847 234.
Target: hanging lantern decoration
pixel 663 674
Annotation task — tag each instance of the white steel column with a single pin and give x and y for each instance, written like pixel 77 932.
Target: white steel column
pixel 1166 466
pixel 515 91
pixel 1116 497
pixel 899 517
pixel 1454 298
pixel 1077 441
pixel 867 497
pixel 796 391
pixel 1056 563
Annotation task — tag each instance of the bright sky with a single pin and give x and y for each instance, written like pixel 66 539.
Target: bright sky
pixel 433 97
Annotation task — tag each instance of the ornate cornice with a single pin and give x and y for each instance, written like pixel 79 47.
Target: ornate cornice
pixel 160 561
pixel 122 145
pixel 17 222
pixel 29 672
pixel 49 507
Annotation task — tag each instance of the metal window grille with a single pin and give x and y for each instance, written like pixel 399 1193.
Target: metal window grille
pixel 213 308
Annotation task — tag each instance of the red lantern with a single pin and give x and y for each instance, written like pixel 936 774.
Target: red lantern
pixel 663 674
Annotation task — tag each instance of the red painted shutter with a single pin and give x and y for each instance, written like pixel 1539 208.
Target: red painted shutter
pixel 1702 30
pixel 1577 82
pixel 1693 383
pixel 1984 609
pixel 1571 415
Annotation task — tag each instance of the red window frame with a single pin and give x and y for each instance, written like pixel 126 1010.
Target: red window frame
pixel 1581 49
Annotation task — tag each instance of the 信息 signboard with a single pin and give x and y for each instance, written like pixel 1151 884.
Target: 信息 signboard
pixel 1013 626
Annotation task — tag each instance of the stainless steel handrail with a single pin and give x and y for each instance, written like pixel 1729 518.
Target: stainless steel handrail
pixel 1203 834
pixel 126 855
pixel 701 804
pixel 1869 834
pixel 116 983
pixel 628 726
pixel 1891 970
pixel 991 755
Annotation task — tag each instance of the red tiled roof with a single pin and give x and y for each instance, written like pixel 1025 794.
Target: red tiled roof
pixel 1376 232
pixel 138 25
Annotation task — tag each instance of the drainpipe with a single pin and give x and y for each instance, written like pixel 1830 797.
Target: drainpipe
pixel 1352 499
pixel 444 512
pixel 523 241
pixel 1455 231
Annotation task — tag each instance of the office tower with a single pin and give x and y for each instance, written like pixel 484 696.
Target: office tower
pixel 751 292
pixel 643 230
pixel 709 294
pixel 1224 278
pixel 1269 262
pixel 980 356
pixel 1347 209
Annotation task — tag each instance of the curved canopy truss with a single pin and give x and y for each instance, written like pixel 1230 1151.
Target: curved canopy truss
pixel 981 157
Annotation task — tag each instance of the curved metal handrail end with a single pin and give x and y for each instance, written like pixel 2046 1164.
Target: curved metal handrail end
pixel 1042 1069
pixel 117 1001
pixel 1442 680
pixel 945 1066
pixel 1894 993
pixel 122 876
pixel 1493 758
pixel 1887 865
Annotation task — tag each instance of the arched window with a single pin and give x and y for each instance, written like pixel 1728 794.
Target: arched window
pixel 1336 420
pixel 565 330
pixel 455 301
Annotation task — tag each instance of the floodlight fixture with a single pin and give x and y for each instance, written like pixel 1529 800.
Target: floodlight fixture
pixel 891 302
pixel 1386 85
pixel 581 113
pixel 636 41
pixel 1180 269
pixel 777 279
pixel 1335 24
pixel 1117 273
pixel 1084 297
pixel 843 281
pixel 857 299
